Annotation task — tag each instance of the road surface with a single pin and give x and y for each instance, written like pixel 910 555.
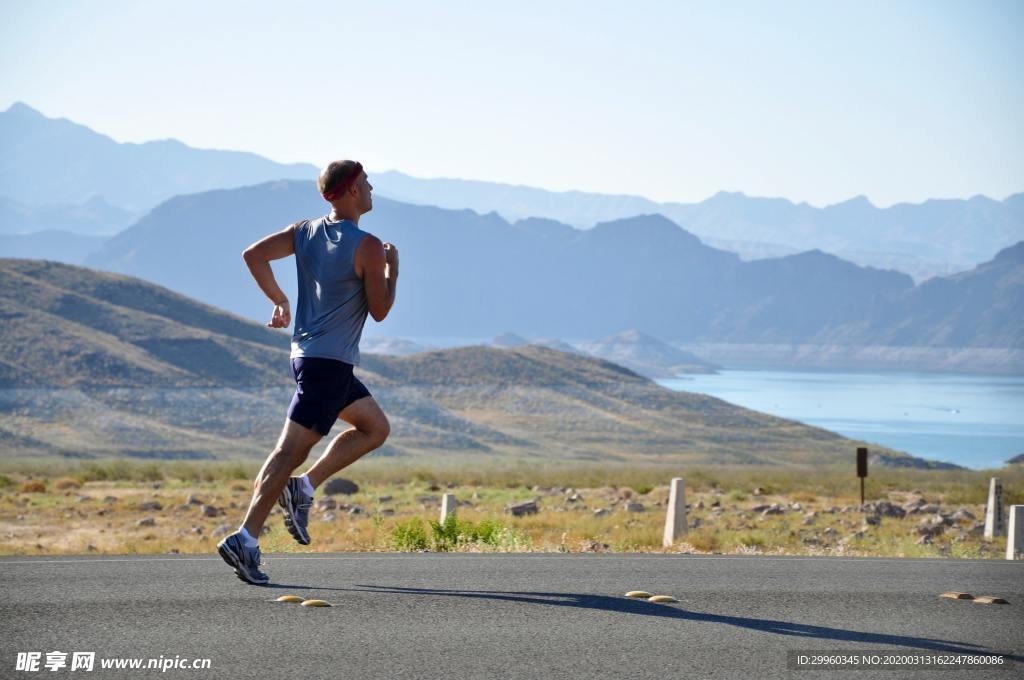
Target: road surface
pixel 509 616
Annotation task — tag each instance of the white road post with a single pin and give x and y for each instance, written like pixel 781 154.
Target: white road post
pixel 675 519
pixel 994 518
pixel 1015 534
pixel 448 505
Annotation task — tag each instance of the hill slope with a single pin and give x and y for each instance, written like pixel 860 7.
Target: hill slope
pixel 97 364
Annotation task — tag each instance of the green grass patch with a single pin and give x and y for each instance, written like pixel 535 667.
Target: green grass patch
pixel 455 534
pixel 409 535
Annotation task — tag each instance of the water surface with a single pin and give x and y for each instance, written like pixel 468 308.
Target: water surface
pixel 974 421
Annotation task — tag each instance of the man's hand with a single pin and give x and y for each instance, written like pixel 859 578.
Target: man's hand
pixel 282 316
pixel 391 256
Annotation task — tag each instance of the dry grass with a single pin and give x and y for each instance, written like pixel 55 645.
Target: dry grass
pixel 42 515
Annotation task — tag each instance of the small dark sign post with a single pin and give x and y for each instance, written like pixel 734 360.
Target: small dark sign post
pixel 862 470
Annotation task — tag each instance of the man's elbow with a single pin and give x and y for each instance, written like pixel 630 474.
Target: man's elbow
pixel 379 312
pixel 249 254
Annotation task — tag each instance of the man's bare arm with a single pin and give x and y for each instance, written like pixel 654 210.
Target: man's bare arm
pixel 258 256
pixel 377 265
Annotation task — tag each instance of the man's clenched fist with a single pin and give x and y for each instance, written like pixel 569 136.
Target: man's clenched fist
pixel 282 316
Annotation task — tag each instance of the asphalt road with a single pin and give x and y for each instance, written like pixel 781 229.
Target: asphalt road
pixel 506 615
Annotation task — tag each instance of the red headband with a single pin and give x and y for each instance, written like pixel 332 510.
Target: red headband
pixel 343 186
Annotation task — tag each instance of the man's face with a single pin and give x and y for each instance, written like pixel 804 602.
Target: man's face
pixel 365 190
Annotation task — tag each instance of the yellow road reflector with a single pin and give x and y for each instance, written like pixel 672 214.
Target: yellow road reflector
pixel 662 598
pixel 638 593
pixel 989 599
pixel 289 598
pixel 315 603
pixel 953 595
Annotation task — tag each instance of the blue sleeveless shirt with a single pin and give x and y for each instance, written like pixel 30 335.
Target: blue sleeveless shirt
pixel 332 304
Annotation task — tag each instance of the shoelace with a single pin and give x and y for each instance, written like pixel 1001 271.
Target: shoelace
pixel 256 558
pixel 302 509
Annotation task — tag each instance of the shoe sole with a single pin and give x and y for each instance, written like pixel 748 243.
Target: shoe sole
pixel 233 561
pixel 284 501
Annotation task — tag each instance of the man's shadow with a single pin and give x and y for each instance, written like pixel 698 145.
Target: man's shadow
pixel 644 608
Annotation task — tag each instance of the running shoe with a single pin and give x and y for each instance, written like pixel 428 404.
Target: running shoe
pixel 296 503
pixel 244 559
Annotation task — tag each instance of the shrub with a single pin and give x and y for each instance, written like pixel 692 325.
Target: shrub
pixel 33 486
pixel 453 533
pixel 643 489
pixel 409 535
pixel 5 482
pixel 703 541
pixel 750 540
pixel 487 531
pixel 122 470
pixel 445 536
pixel 151 472
pixel 65 483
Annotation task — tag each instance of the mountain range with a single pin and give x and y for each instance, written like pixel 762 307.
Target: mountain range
pixel 931 238
pixel 471 275
pixel 46 162
pixel 55 174
pixel 97 364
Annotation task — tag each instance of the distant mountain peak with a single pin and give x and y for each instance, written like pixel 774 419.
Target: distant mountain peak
pixel 1014 253
pixel 652 222
pixel 38 152
pixel 24 110
pixel 859 201
pixel 509 339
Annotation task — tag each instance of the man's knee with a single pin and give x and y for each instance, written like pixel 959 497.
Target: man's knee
pixel 281 461
pixel 290 453
pixel 378 430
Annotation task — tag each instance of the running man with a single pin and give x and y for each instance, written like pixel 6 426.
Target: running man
pixel 344 273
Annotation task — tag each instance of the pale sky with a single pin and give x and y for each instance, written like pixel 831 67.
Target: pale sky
pixel 812 101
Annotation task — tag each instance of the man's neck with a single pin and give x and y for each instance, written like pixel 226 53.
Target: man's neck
pixel 337 216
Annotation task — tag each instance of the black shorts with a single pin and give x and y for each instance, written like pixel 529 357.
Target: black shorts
pixel 323 388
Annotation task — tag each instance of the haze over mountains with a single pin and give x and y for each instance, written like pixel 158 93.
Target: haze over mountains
pixel 111 184
pixel 476 275
pixel 97 364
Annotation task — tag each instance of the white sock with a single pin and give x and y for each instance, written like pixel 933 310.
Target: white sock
pixel 250 542
pixel 306 485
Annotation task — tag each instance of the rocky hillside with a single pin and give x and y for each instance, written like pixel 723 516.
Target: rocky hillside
pixel 95 364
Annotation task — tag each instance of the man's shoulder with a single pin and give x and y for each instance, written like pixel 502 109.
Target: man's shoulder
pixel 370 249
pixel 369 240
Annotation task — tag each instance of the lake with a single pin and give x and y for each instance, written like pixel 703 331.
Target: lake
pixel 970 420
